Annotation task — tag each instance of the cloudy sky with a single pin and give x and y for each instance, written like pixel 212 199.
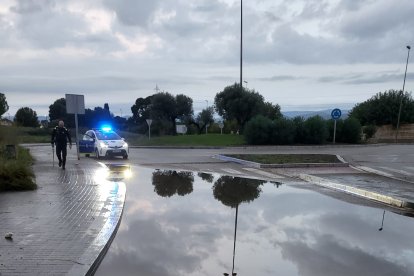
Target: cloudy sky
pixel 301 54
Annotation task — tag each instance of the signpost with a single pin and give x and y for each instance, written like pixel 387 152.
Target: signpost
pixel 221 125
pixel 149 122
pixel 335 114
pixel 75 104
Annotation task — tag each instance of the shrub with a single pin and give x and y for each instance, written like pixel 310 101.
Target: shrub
pixel 330 124
pixel 16 175
pixel 283 132
pixel 369 131
pixel 351 131
pixel 316 130
pixel 258 130
pixel 300 132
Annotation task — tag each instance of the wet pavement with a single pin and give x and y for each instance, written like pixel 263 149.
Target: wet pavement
pixel 63 226
pixel 183 223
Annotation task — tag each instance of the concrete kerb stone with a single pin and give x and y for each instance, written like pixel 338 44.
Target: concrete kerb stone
pixel 357 192
pixel 291 165
pixel 88 263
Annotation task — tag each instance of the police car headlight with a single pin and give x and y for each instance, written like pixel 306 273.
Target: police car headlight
pixel 103 145
pixel 125 145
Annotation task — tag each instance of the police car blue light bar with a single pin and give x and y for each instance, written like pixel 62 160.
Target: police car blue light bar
pixel 106 128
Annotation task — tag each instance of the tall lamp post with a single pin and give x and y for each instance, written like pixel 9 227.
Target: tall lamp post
pixel 402 95
pixel 241 45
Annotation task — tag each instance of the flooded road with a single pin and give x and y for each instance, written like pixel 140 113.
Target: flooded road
pixel 184 223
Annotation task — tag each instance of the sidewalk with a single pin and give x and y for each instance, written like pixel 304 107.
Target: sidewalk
pixel 65 226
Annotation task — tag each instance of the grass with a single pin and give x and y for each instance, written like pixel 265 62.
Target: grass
pixel 38 135
pixel 188 140
pixel 16 174
pixel 21 135
pixel 287 158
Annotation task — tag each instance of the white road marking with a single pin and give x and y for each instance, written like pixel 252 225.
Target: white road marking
pixel 367 169
pixel 397 171
pixel 228 170
pixel 267 174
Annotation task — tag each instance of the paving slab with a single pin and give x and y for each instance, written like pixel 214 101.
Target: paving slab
pixel 65 225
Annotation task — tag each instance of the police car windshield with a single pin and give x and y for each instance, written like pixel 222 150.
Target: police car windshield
pixel 107 135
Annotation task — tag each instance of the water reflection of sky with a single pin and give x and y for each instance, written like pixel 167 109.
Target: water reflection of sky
pixel 186 229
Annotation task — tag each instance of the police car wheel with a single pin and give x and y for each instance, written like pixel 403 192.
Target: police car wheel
pixel 97 154
pixel 125 156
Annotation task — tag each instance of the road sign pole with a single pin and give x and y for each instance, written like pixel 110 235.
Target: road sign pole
pixel 334 134
pixel 149 122
pixel 77 137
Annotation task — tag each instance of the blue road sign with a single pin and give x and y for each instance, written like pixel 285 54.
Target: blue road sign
pixel 336 114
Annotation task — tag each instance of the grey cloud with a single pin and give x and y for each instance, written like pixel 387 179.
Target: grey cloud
pixel 133 12
pixel 378 20
pixel 280 78
pixel 366 78
pixel 31 6
pixel 350 5
pixel 328 256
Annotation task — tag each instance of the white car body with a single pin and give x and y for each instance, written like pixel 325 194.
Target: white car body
pixel 107 143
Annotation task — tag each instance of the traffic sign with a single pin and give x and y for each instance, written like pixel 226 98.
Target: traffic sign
pixel 336 114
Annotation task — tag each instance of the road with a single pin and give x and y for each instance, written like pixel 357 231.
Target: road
pixel 394 160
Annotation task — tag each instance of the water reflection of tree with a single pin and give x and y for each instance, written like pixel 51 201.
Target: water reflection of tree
pixel 168 183
pixel 206 177
pixel 232 191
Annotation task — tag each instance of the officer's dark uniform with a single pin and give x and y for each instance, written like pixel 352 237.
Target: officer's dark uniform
pixel 60 137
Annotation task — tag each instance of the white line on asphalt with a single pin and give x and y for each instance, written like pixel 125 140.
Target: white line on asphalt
pixel 397 171
pixel 267 174
pixel 228 170
pixel 367 169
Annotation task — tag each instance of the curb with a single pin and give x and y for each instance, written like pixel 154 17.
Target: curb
pixel 88 263
pixel 291 165
pixel 357 191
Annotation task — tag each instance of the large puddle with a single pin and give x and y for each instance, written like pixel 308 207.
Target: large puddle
pixel 184 223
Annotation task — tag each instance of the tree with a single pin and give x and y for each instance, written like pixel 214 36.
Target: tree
pixel 164 109
pixel 26 117
pixel 271 111
pixel 231 191
pixel 208 177
pixel 168 183
pixel 141 109
pixel 3 104
pixel 184 107
pixel 382 109
pixel 57 111
pixel 241 104
pixel 204 118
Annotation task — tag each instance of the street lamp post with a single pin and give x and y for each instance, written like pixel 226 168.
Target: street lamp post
pixel 241 45
pixel 402 95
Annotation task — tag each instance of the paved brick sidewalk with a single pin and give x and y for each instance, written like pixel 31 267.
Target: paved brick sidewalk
pixel 64 226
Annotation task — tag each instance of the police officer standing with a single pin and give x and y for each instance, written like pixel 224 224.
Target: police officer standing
pixel 60 137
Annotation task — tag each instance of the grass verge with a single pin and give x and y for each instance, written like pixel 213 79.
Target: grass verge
pixel 218 140
pixel 38 135
pixel 287 158
pixel 15 174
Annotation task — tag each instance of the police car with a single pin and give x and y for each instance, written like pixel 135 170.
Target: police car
pixel 104 142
